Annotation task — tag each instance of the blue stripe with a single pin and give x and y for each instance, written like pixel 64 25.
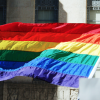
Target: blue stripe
pixel 49 64
pixel 61 67
pixel 11 64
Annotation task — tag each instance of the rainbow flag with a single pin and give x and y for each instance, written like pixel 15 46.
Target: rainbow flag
pixel 59 53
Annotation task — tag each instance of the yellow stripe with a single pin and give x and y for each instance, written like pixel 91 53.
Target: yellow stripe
pixel 80 48
pixel 33 46
pixel 38 46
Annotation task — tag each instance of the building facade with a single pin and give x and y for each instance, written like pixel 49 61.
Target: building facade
pixel 46 11
pixel 63 11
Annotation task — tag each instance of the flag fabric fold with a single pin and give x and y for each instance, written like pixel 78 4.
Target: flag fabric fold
pixel 59 53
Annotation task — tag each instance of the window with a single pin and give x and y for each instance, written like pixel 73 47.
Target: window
pixel 2 12
pixel 93 11
pixel 46 11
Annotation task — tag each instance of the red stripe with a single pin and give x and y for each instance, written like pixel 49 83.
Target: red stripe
pixel 38 36
pixel 50 37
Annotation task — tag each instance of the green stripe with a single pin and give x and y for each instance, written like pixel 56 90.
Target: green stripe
pixel 69 57
pixel 12 55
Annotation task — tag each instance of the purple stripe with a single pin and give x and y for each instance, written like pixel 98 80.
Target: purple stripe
pixel 49 76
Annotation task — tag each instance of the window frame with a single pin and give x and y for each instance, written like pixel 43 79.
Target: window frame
pixel 46 5
pixel 89 8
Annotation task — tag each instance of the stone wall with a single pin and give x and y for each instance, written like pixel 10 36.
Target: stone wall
pixel 25 88
pixel 38 91
pixel 20 11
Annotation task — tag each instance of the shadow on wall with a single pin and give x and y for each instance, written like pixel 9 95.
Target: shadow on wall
pixel 62 14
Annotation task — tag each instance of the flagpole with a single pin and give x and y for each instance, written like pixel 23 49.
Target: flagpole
pixel 94 69
pixel 92 73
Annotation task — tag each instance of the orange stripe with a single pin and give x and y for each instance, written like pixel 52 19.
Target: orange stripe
pixel 88 38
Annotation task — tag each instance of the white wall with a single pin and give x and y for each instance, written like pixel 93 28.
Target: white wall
pixel 72 11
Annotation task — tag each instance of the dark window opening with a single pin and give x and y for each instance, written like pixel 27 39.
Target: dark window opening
pixel 2 12
pixel 46 11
